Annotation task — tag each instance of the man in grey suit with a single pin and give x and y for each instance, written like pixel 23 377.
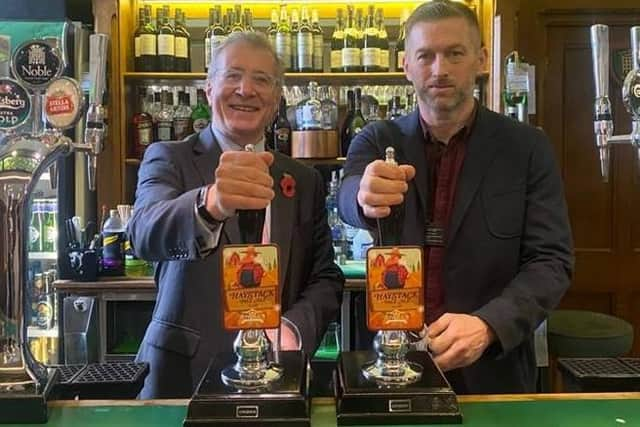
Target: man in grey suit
pixel 187 196
pixel 482 195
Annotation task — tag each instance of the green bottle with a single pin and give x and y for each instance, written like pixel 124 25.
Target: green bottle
pixel 200 115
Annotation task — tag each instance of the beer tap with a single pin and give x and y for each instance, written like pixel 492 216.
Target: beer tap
pixel 603 120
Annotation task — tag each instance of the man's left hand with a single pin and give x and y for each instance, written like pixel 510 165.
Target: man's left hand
pixel 458 340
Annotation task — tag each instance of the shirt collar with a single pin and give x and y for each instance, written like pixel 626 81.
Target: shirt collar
pixel 465 131
pixel 227 145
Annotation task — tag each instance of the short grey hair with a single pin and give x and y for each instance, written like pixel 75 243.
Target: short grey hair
pixel 437 10
pixel 254 39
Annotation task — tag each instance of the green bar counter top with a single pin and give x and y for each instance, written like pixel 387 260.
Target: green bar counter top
pixel 535 410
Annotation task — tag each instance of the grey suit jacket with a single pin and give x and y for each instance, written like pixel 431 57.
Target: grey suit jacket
pixel 186 329
pixel 509 254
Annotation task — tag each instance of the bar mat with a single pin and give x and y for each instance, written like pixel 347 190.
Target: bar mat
pixel 604 374
pixel 119 380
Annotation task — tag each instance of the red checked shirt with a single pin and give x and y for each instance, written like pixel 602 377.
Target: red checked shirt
pixel 444 162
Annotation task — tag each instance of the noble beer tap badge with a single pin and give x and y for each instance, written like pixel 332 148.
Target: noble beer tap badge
pixel 395 289
pixel 250 288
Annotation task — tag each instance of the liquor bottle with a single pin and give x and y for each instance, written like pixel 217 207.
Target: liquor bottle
pixel 305 44
pixel 338 232
pixel 383 41
pixel 329 109
pixel 137 61
pixel 166 44
pixel 113 237
pixel 516 88
pixel 371 44
pixel 282 130
pixel 200 116
pixel 318 42
pixel 207 39
pixel 400 43
pixel 309 111
pixel 395 108
pixel 294 39
pixel 182 44
pixel 283 39
pixel 273 28
pixel 142 126
pixel 248 21
pixel 337 43
pixel 182 126
pixel 354 122
pixel 148 44
pixel 351 47
pixel 165 118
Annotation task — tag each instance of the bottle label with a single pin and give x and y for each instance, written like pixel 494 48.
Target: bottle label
pixel 34 235
pixel 182 128
pixel 44 314
pixel 517 78
pixel 350 57
pixel 371 57
pixel 318 51
pixel 282 139
pixel 145 133
pixel 148 44
pixel 384 59
pixel 182 47
pixel 137 47
pixel 305 50
pixel 200 124
pixel 207 52
pixel 283 49
pixel 164 131
pixel 311 117
pixel 113 252
pixel 336 59
pixel 166 44
pixel 399 65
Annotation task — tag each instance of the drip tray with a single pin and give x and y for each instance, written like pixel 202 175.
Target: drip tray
pixel 604 374
pixel 118 380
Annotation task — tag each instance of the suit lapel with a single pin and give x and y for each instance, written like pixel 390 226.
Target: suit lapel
pixel 207 156
pixel 481 149
pixel 282 218
pixel 413 153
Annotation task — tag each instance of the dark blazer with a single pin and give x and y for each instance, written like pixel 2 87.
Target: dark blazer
pixel 509 254
pixel 186 329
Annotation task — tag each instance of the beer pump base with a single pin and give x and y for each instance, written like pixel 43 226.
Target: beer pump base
pixel 28 406
pixel 285 402
pixel 359 401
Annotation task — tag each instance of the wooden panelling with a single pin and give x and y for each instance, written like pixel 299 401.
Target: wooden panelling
pixel 554 35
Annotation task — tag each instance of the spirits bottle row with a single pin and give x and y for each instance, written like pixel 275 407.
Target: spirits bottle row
pixel 359 41
pixel 159 117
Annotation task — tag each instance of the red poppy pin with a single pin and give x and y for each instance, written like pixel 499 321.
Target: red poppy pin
pixel 288 185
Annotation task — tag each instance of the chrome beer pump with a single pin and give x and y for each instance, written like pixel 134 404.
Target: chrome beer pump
pixel 25 383
pixel 603 120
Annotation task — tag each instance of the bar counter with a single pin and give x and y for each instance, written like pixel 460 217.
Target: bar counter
pixel 533 410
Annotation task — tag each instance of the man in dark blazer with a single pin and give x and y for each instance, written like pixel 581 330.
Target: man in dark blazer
pixel 506 251
pixel 187 195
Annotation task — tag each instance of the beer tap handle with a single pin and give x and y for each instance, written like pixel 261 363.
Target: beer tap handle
pixel 602 121
pixel 635 47
pixel 251 222
pixel 95 126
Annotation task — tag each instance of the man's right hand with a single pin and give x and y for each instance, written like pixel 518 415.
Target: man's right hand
pixel 242 182
pixel 382 186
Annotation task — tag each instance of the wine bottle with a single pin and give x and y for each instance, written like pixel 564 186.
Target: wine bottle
pixel 283 39
pixel 305 44
pixel 383 41
pixel 294 39
pixel 337 43
pixel 351 47
pixel 282 130
pixel 182 43
pixel 318 42
pixel 400 42
pixel 166 43
pixel 371 44
pixel 148 44
pixel 207 39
